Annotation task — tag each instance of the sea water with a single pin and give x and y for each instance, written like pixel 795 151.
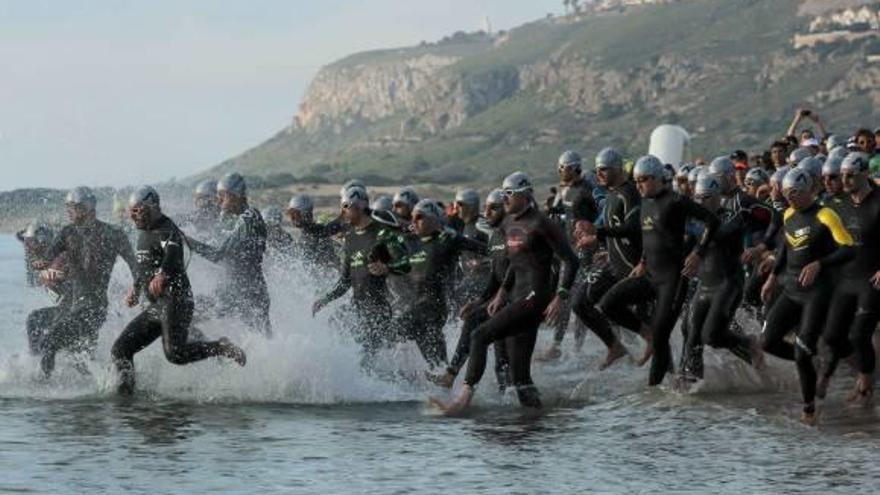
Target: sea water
pixel 301 417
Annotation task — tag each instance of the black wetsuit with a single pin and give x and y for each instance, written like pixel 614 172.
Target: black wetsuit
pixel 372 312
pixel 244 292
pixel 477 315
pixel 472 267
pixel 90 253
pixel 718 294
pixel 432 264
pixel 762 226
pixel 317 248
pixel 572 203
pixel 621 233
pixel 533 241
pixel 279 244
pixel 812 234
pixel 160 249
pixel 855 305
pixel 39 320
pixel 663 222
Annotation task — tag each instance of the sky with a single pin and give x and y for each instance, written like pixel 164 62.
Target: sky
pixel 120 92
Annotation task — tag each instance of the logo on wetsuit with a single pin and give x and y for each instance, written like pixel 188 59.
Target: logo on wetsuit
pixel 648 223
pixel 516 239
pixel 799 238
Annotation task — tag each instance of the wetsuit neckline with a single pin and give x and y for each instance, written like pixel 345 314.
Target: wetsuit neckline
pixel 158 221
pixel 872 189
pixel 362 230
pixel 663 192
pixel 527 209
pixel 573 183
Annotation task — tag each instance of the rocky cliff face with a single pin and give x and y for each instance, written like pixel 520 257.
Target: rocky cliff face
pixel 430 98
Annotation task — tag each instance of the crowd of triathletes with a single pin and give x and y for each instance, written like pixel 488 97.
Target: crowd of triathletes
pixel 790 237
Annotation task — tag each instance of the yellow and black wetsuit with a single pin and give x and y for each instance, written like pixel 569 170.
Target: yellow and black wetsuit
pixel 814 233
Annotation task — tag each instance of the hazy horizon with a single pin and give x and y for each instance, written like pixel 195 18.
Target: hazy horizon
pixel 107 94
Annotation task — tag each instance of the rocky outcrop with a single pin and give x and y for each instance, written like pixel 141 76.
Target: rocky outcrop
pixel 431 97
pixel 861 79
pixel 592 88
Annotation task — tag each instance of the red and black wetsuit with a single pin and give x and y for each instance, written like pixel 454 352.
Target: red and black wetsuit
pixel 533 241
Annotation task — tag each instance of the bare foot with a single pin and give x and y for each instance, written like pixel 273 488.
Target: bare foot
pixel 863 391
pixel 552 353
pixel 615 352
pixel 445 380
pixel 457 406
pixel 232 351
pixel 810 418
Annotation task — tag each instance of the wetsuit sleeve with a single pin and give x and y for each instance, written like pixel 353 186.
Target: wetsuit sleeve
pixel 630 228
pixel 463 243
pixel 330 228
pixel 492 286
pixel 126 252
pixel 569 261
pixel 172 255
pixel 230 245
pixel 344 282
pixel 773 222
pixel 58 245
pixel 509 279
pixel 397 250
pixel 845 246
pixel 710 222
pixel 781 258
pixel 585 207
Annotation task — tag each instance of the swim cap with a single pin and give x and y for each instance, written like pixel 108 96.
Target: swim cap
pixel 406 195
pixel 144 196
pixel 609 158
pixel 232 183
pixel 382 203
pixel 648 166
pixel 517 182
pixel 495 197
pixel 468 197
pixel 82 195
pixel 428 208
pixel 797 179
pixel 207 187
pixel 708 185
pixel 301 202
pixel 570 159
pixel 722 166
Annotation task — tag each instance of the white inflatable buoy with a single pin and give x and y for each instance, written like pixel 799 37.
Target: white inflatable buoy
pixel 670 144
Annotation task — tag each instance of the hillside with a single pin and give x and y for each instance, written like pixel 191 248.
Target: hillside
pixel 472 106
